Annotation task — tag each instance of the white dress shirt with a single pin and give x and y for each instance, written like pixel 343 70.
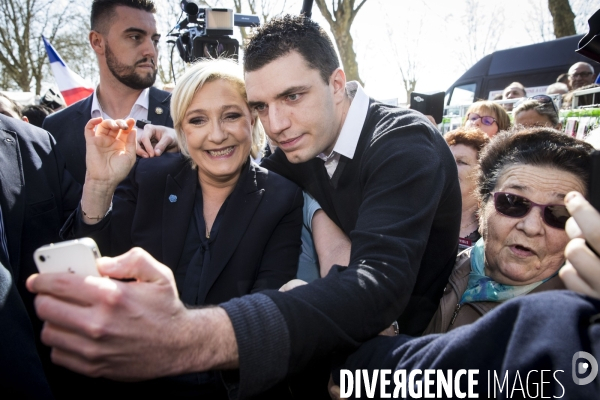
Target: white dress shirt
pixel 137 112
pixel 347 141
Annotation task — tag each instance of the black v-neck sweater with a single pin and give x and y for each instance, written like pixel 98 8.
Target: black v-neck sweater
pixel 399 201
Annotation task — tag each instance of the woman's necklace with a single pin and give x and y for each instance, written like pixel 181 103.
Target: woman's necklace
pixel 206 225
pixel 207 228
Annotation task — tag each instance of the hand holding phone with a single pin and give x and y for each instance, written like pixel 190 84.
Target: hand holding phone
pixel 73 256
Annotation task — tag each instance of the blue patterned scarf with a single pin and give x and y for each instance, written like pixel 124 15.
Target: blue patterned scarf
pixel 484 288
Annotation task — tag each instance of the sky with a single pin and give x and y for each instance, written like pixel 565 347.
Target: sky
pixel 433 34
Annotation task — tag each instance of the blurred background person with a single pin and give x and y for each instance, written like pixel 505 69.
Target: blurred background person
pixel 580 74
pixel 515 90
pixel 523 179
pixel 537 111
pixel 36 114
pixel 9 107
pixel 584 100
pixel 465 144
pixel 557 88
pixel 488 117
pixel 564 78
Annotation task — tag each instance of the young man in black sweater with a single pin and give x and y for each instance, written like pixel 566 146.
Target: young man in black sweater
pixel 384 175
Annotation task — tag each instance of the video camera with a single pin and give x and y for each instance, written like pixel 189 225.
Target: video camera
pixel 206 32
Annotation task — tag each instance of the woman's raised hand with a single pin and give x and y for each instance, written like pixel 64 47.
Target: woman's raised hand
pixel 110 149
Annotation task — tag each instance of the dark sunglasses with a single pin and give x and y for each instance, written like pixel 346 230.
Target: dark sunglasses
pixel 516 206
pixel 540 98
pixel 484 120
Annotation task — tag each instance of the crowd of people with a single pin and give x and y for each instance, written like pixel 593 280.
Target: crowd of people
pixel 364 239
pixel 581 76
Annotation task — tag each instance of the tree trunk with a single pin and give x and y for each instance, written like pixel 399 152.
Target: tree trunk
pixel 562 17
pixel 345 46
pixel 340 21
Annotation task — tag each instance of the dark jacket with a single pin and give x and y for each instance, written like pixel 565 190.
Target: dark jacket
pixel 37 196
pixel 450 315
pixel 258 243
pixel 531 340
pixel 68 125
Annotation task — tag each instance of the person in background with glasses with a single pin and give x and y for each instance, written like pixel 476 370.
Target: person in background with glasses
pixel 523 179
pixel 580 74
pixel 487 116
pixel 537 111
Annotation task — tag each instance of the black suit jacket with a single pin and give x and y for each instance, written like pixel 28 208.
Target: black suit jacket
pixel 37 195
pixel 67 127
pixel 258 243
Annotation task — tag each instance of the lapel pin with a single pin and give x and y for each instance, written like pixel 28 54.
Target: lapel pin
pixel 172 198
pixel 158 110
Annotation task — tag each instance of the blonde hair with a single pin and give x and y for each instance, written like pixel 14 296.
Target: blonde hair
pixel 195 77
pixel 502 118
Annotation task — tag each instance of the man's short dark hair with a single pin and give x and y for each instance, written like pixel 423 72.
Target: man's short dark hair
pixel 280 36
pixel 36 114
pixel 103 11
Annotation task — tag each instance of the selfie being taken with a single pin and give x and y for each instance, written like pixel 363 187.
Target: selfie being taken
pixel 300 199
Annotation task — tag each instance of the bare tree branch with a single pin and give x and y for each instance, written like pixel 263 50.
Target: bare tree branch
pixel 22 54
pixel 482 32
pixel 340 28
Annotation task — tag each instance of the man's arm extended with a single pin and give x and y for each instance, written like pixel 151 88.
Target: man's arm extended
pixel 130 331
pixel 140 330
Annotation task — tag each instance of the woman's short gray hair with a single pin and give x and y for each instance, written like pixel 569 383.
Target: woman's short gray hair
pixel 194 78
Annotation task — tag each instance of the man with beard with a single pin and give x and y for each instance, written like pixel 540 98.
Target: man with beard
pixel 123 35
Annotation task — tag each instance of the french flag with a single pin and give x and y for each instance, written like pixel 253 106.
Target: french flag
pixel 72 86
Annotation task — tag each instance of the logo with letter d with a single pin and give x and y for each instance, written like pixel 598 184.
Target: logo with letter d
pixel 581 367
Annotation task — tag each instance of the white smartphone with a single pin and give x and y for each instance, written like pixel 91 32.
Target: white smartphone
pixel 74 256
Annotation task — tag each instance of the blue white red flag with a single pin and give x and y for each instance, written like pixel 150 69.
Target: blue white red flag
pixel 72 86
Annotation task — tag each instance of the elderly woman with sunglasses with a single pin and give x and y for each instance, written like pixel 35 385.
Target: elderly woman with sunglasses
pixel 523 179
pixel 487 116
pixel 536 111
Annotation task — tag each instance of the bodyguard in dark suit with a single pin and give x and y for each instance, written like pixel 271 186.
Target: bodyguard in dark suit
pixel 37 195
pixel 125 39
pixel 67 127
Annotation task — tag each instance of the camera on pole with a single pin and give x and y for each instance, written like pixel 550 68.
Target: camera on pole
pixel 206 32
